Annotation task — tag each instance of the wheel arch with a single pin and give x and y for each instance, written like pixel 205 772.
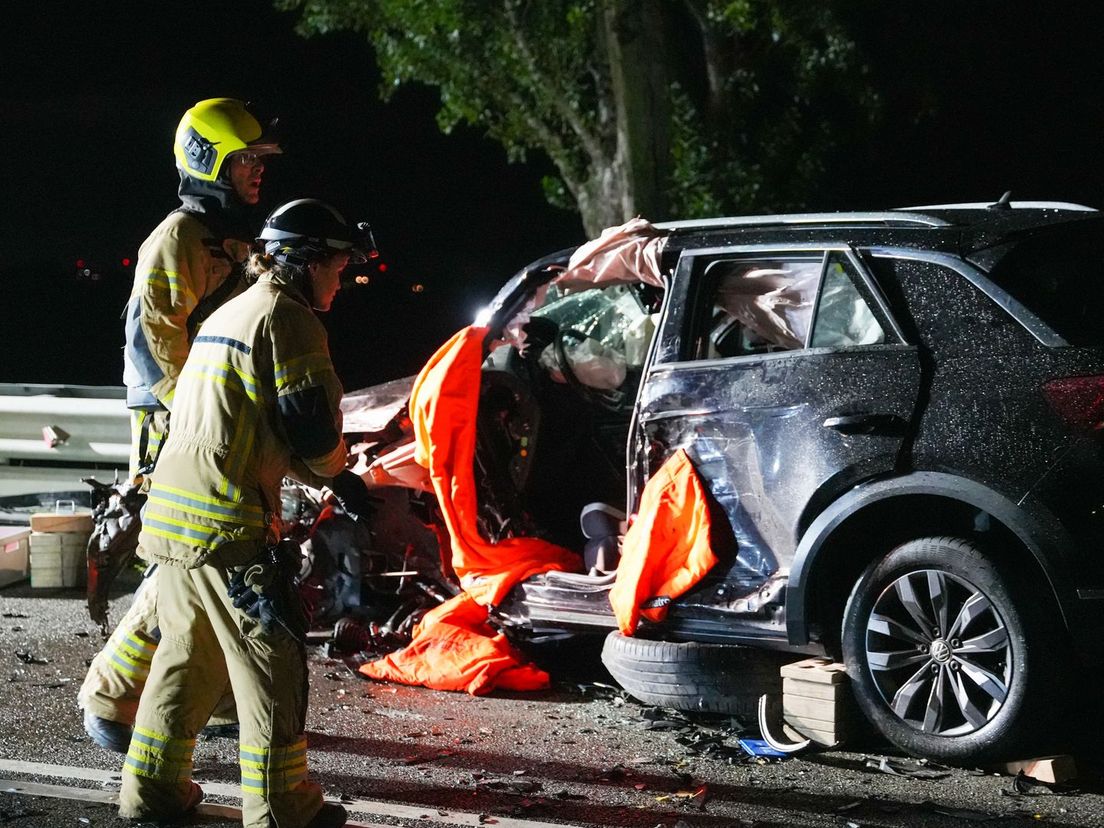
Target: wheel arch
pixel 835 548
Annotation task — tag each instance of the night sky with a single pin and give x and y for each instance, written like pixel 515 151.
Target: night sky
pixel 980 97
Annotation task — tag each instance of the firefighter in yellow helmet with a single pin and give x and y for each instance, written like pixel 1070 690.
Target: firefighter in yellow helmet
pixel 190 264
pixel 258 399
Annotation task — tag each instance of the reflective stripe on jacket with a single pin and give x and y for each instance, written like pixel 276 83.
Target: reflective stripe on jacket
pixel 178 265
pixel 258 388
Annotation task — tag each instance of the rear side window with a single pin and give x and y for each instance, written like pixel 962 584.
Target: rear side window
pixel 1059 276
pixel 843 316
pixel 757 306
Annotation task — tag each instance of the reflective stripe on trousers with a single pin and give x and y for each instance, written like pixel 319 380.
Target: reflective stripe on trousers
pixel 132 655
pixel 157 756
pixel 272 770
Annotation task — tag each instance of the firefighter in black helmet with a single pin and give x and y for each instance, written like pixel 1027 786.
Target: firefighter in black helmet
pixel 258 400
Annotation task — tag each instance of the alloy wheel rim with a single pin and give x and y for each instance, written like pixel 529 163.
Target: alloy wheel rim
pixel 939 653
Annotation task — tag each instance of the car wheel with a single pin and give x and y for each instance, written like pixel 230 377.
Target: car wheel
pixel 950 657
pixel 711 678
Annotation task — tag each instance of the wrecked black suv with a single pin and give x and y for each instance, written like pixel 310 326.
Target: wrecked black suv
pixel 896 418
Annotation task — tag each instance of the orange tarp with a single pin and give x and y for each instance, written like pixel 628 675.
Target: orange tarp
pixel 443 406
pixel 666 549
pixel 455 649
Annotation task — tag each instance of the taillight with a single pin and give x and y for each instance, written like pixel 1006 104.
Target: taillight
pixel 1077 400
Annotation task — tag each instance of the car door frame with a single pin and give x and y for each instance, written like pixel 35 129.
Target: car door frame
pixel 675 316
pixel 672 343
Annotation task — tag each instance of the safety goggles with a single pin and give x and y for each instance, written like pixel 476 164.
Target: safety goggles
pixel 255 155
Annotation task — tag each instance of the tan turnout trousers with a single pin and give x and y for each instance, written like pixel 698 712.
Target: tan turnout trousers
pixel 204 641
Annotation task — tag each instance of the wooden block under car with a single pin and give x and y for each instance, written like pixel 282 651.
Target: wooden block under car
pixel 816 670
pixel 62 522
pixel 816 700
pixel 1050 769
pixel 808 689
pixel 58 559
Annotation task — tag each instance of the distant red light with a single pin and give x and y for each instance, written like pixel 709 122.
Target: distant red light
pixel 126 262
pixel 80 263
pixel 373 254
pixel 382 267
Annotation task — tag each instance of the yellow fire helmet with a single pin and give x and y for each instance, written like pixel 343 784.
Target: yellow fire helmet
pixel 213 130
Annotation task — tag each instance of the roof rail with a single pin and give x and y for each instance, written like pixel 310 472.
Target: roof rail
pixel 884 217
pixel 1015 205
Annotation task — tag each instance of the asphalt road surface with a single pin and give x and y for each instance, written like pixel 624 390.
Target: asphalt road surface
pixel 580 754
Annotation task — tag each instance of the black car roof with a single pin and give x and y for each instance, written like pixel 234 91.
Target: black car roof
pixel 959 228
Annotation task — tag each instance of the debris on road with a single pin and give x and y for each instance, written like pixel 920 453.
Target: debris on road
pixel 915 768
pixel 1024 785
pixel 116 522
pixel 28 657
pixel 760 747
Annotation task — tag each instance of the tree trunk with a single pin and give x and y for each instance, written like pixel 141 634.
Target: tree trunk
pixel 600 199
pixel 716 50
pixel 633 32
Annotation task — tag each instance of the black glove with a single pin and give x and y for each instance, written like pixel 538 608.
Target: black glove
pixel 351 494
pixel 242 595
pixel 266 590
pixel 283 607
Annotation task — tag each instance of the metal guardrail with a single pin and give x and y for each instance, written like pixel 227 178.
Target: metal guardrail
pixel 52 435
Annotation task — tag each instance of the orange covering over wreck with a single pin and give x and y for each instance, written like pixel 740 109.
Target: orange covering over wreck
pixel 666 550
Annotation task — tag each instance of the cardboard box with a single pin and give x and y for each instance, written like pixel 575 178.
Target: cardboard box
pixel 15 554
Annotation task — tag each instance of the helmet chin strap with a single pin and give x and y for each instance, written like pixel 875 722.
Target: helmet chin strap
pixel 223 212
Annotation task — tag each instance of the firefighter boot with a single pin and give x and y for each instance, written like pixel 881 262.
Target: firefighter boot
pixel 330 815
pixel 109 735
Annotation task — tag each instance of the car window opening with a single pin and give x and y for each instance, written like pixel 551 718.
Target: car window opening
pixel 764 306
pixel 555 406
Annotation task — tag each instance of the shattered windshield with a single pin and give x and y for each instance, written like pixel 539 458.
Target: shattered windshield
pixel 606 331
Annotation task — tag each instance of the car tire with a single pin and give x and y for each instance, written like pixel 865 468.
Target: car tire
pixel 978 690
pixel 692 676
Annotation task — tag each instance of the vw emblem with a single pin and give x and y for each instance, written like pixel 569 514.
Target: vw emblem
pixel 940 651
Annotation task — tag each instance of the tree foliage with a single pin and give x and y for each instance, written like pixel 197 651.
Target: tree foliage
pixel 659 107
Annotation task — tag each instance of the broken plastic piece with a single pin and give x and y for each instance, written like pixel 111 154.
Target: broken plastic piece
pixel 896 767
pixel 770 711
pixel 760 747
